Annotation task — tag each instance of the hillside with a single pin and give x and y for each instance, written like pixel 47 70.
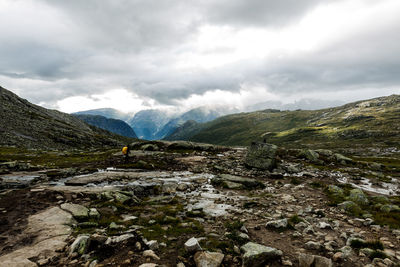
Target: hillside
pixel 375 120
pixel 24 124
pixel 113 125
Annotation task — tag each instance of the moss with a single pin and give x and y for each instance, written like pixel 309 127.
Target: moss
pixel 377 254
pixel 316 184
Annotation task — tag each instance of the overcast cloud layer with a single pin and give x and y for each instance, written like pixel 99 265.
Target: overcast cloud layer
pixel 126 54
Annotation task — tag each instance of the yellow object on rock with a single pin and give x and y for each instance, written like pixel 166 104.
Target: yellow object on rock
pixel 124 150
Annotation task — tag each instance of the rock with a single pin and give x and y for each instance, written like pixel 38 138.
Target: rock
pixel 306 260
pixel 261 156
pixel 80 245
pixel 122 198
pixel 182 187
pixel 208 259
pixel 309 230
pixel 149 147
pixel 310 155
pixel 148 265
pixel 342 159
pixel 338 256
pixel 358 196
pixel 192 245
pixel 93 263
pixel 277 224
pixel 79 212
pixel 114 226
pixel 390 208
pixel 346 250
pixel 367 251
pixel 150 254
pixel 312 245
pixel 256 255
pixel 320 261
pixel 118 239
pixel 152 244
pixel 350 207
pixel 335 190
pixel 180 264
pixel 324 225
pixel 93 213
pixel 237 182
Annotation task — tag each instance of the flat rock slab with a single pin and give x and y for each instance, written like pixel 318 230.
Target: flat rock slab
pixel 49 229
pixel 256 255
pixel 79 212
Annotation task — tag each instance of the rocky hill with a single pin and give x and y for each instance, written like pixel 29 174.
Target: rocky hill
pixel 147 123
pixel 113 125
pixel 24 124
pixel 376 120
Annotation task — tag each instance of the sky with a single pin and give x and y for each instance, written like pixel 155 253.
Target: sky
pixel 132 55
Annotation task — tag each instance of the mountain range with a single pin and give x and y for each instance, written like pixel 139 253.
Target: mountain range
pixel 156 124
pixel 24 124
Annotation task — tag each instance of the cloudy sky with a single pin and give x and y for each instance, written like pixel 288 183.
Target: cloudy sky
pixel 134 54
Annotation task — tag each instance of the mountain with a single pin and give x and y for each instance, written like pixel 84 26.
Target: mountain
pixel 362 122
pixel 307 104
pixel 24 124
pixel 201 114
pixel 115 126
pixel 105 112
pixel 147 123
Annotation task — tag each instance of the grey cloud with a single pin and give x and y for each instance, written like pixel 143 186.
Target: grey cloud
pixel 135 44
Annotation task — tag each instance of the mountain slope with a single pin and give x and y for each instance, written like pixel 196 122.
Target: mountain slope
pixel 375 120
pixel 24 124
pixel 115 126
pixel 147 123
pixel 105 112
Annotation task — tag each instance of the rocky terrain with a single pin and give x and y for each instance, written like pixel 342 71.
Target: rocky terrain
pixel 190 204
pixel 26 125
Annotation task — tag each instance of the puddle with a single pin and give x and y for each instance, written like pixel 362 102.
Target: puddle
pixel 388 189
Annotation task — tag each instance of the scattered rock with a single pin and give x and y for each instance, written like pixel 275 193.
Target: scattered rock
pixel 79 212
pixel 278 224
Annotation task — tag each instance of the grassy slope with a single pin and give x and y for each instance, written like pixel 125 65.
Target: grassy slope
pixel 363 122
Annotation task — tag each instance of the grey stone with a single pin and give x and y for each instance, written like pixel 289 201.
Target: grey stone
pixel 80 245
pixel 312 245
pixel 256 255
pixel 93 213
pixel 192 245
pixel 208 259
pixel 283 223
pixel 320 261
pixel 150 254
pixel 305 260
pixel 261 156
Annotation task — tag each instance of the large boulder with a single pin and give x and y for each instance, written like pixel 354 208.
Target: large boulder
pixel 256 255
pixel 261 156
pixel 208 259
